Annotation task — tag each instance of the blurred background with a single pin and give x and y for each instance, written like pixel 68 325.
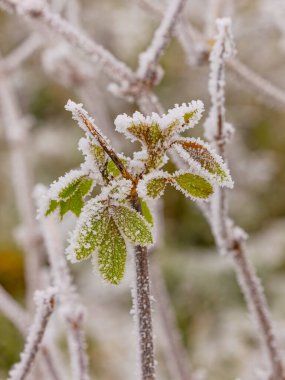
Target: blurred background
pixel 211 315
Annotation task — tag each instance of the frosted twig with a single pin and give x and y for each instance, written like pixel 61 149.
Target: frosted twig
pixel 13 311
pixel 21 53
pixel 216 129
pixel 77 342
pixel 268 92
pixel 21 320
pixel 114 68
pixel 257 304
pixel 73 312
pixel 212 13
pixel 15 133
pixel 88 125
pixel 45 301
pixel 149 59
pixel 228 237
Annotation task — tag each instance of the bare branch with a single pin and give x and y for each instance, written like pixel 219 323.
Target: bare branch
pixel 73 312
pixel 268 92
pixel 88 125
pixel 13 311
pixel 257 304
pixel 228 237
pixel 114 68
pixel 21 53
pixel 149 59
pixel 15 133
pixel 45 301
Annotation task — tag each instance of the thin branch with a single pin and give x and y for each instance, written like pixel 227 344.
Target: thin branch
pixel 114 68
pixel 21 320
pixel 229 238
pixel 21 53
pixel 15 133
pixel 45 301
pixel 13 311
pixel 88 125
pixel 73 312
pixel 162 36
pixel 268 92
pixel 257 304
pixel 265 90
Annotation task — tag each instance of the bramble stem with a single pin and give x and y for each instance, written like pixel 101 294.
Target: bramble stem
pixel 143 308
pixel 143 302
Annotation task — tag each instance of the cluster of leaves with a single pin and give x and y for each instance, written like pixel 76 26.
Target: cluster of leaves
pixel 107 223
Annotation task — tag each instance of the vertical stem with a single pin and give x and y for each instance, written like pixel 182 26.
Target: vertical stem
pixel 143 308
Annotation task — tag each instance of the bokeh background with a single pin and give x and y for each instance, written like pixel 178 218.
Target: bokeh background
pixel 211 315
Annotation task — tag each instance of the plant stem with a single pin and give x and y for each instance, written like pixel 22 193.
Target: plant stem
pixel 257 304
pixel 143 308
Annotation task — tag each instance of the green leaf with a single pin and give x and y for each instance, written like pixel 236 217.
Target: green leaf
pixel 132 225
pixel 71 196
pixel 73 204
pixel 193 185
pixel 146 212
pixel 148 134
pixel 68 190
pixel 91 235
pixel 112 254
pixel 98 153
pixel 81 185
pixel 199 151
pixel 53 204
pixel 155 187
pixel 112 169
pixel 188 116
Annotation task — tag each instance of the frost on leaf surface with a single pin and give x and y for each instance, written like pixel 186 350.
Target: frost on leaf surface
pixel 88 234
pixel 112 254
pixel 132 225
pixel 197 151
pixel 182 117
pixel 192 185
pixel 67 193
pixel 153 185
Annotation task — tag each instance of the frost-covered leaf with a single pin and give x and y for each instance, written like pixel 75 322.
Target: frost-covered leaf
pixel 112 254
pixel 53 204
pixel 71 197
pixel 82 185
pixel 112 169
pixel 98 154
pixel 67 193
pixel 192 185
pixel 132 225
pixel 89 233
pixel 94 153
pixel 153 185
pixel 195 151
pixel 181 117
pixel 146 212
pixel 145 129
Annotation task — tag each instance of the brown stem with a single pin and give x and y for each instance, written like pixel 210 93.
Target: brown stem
pixel 107 147
pixel 257 303
pixel 143 308
pixel 143 302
